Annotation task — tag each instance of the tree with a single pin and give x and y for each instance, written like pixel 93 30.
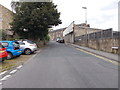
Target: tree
pixel 32 19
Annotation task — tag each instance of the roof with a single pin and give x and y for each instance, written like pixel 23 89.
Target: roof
pixel 89 28
pixel 83 25
pixel 58 29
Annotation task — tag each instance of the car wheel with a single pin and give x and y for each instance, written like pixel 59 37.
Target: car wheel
pixel 3 60
pixel 9 56
pixel 27 51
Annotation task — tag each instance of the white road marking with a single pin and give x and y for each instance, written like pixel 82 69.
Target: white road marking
pixel 3 73
pixel 19 67
pixel 13 71
pixel 6 77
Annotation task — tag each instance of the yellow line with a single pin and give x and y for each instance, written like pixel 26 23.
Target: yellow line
pixel 108 60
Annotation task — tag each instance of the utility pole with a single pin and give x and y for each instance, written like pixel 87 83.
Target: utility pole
pixel 86 25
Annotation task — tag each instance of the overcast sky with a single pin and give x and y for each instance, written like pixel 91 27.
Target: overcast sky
pixel 102 14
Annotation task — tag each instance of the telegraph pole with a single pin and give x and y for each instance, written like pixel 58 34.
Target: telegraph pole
pixel 86 25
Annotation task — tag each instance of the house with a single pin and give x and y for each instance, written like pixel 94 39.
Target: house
pixel 54 34
pixel 6 17
pixel 79 29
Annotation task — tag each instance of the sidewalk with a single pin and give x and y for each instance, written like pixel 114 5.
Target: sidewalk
pixel 100 53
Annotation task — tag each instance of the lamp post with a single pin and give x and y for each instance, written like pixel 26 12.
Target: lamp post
pixel 85 14
pixel 86 24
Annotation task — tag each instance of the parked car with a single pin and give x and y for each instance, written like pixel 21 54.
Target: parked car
pixel 3 53
pixel 27 46
pixel 61 40
pixel 58 38
pixel 12 48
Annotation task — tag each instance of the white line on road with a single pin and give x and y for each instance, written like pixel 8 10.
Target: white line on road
pixel 13 71
pixel 3 73
pixel 19 67
pixel 6 77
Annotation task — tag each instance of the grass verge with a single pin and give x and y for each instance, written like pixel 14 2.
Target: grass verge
pixel 9 64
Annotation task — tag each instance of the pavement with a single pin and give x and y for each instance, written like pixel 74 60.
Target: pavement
pixel 111 56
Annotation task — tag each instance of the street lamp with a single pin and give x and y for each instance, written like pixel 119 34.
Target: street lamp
pixel 86 24
pixel 85 14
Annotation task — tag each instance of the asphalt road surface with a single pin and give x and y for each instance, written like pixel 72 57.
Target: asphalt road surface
pixel 63 66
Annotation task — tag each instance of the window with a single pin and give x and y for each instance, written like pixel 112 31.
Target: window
pixel 5 44
pixel 16 45
pixel 21 43
pixel 1 46
pixel 30 42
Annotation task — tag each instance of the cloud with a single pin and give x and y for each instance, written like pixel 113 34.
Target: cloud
pixel 100 13
pixel 112 5
pixel 6 3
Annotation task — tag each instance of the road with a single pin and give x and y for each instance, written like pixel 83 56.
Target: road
pixel 63 66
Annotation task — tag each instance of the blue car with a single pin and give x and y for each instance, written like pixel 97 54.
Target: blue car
pixel 12 48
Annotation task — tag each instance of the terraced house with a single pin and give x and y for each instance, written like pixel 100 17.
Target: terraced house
pixel 6 17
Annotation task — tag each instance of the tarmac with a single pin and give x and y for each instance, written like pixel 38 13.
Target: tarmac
pixel 111 56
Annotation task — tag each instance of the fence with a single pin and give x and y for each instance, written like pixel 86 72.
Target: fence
pixel 103 40
pixel 108 33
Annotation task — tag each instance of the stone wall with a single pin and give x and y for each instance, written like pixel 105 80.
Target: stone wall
pixel 104 43
pixel 101 44
pixel 1 17
pixel 7 17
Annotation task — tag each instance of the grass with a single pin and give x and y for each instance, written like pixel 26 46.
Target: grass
pixel 9 64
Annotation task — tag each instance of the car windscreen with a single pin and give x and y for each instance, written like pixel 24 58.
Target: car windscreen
pixel 16 45
pixel 30 42
pixel 21 43
pixel 5 44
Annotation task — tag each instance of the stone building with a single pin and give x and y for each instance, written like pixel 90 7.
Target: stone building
pixel 84 35
pixel 54 34
pixel 82 29
pixel 79 29
pixel 6 17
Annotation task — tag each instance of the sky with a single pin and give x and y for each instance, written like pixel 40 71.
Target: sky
pixel 101 14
